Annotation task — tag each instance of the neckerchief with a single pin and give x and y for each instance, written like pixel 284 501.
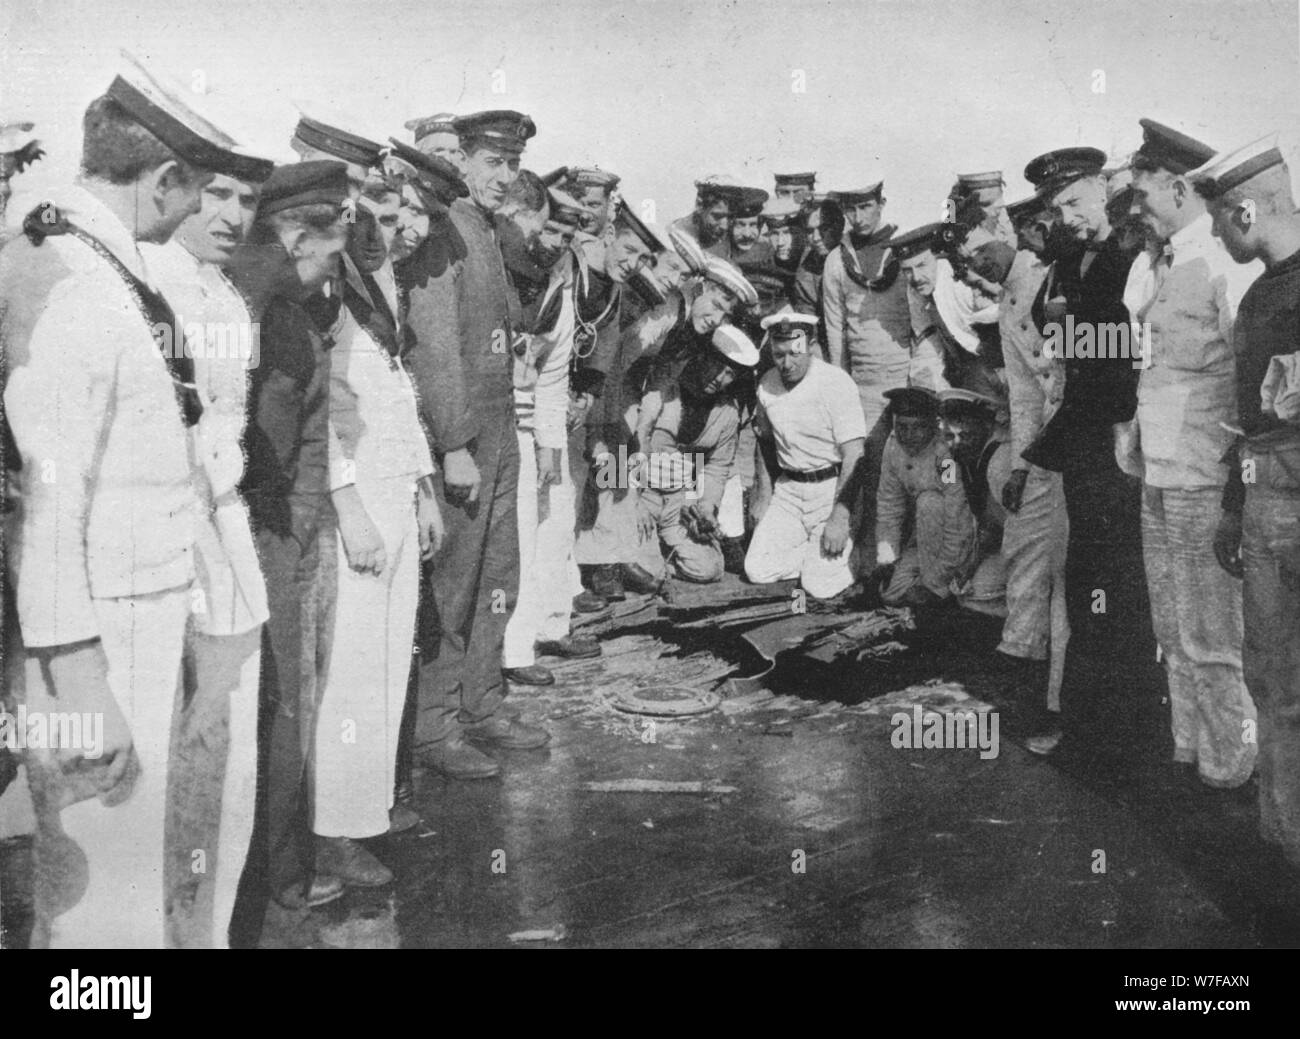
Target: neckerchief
pixel 370 319
pixel 874 267
pixel 155 310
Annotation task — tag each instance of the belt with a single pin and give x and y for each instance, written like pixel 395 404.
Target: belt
pixel 816 476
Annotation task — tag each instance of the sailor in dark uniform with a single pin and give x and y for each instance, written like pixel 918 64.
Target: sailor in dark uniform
pixel 1112 687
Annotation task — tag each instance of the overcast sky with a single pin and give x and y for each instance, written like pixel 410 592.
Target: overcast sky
pixel 665 91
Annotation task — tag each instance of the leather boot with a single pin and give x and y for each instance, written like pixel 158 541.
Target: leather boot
pixel 637 579
pixel 607 582
pixel 456 759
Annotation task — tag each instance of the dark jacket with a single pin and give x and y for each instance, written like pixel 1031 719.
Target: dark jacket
pixel 463 314
pixel 1098 392
pixel 286 440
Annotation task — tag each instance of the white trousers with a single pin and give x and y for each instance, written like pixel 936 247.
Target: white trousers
pixel 100 870
pixel 546 566
pixel 787 541
pixel 1033 543
pixel 364 687
pixel 213 785
pixel 731 510
pixel 1197 614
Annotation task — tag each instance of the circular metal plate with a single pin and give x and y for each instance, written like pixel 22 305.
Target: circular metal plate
pixel 666 701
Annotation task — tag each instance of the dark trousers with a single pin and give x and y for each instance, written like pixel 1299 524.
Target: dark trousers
pixel 1112 689
pixel 300 588
pixel 1270 551
pixel 473 585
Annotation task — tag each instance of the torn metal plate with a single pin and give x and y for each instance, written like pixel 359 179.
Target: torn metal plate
pixel 665 701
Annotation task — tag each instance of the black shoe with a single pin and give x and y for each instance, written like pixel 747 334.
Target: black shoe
pixel 509 733
pixel 534 674
pixel 322 889
pixel 588 602
pixel 637 579
pixel 607 583
pixel 575 647
pixel 351 863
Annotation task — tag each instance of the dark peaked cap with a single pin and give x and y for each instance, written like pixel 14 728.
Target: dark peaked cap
pixel 442 122
pixel 1052 171
pixel 624 217
pixel 1165 148
pixel 914 242
pixel 913 400
pixel 314 182
pixel 348 147
pixel 434 172
pixel 501 127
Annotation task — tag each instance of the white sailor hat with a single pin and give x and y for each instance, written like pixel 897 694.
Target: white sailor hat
pixel 735 346
pixel 781 212
pixel 786 322
pixel 1227 170
pixel 721 272
pixel 159 108
pixel 960 399
pixel 689 250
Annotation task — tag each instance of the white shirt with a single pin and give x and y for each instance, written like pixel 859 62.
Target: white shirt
pixel 220 335
pixel 375 430
pixel 811 420
pixel 961 307
pixel 1035 381
pixel 1190 384
pixel 541 375
pixel 108 507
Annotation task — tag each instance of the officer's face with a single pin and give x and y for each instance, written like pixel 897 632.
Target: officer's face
pixel 412 225
pixel 781 239
pixel 715 219
pixel 785 191
pixel 489 172
pixel 920 271
pixel 914 432
pixel 1080 207
pixel 1157 198
pixel 624 255
pixel 596 203
pixel 712 307
pixel 224 217
pixel 744 232
pixel 864 217
pixel 791 358
pixel 445 146
pixel 386 210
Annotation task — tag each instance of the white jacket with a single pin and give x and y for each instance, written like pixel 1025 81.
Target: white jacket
pixel 217 327
pixel 108 507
